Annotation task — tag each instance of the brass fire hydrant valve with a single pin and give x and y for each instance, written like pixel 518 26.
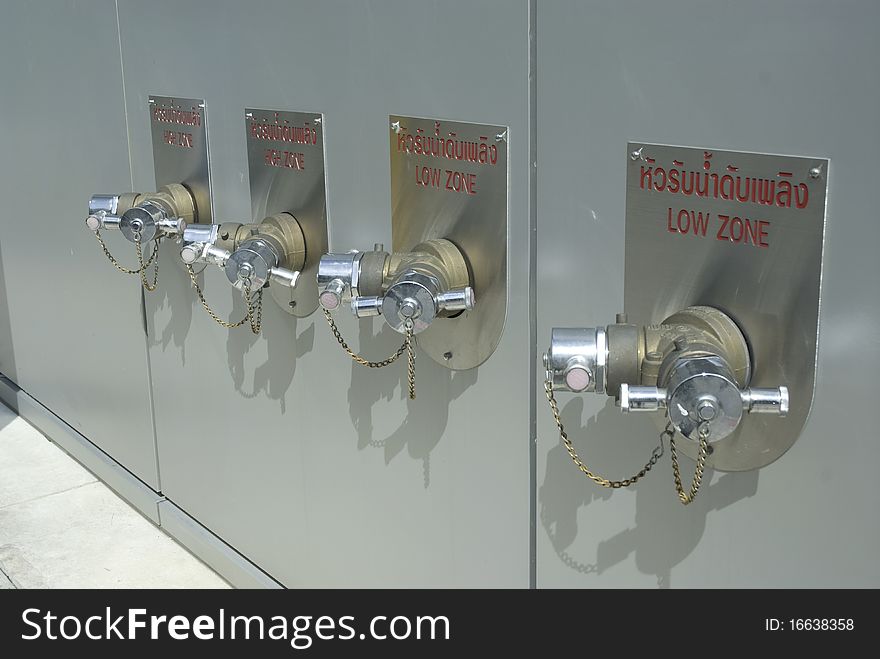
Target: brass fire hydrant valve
pixel 430 282
pixel 142 217
pixel 253 256
pixel 410 290
pixel 695 366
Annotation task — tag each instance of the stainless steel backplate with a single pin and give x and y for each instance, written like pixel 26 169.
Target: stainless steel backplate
pixel 180 148
pixel 742 232
pixel 286 169
pixel 449 180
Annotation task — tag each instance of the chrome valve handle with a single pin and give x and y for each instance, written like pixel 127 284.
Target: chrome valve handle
pixel 102 220
pixel 421 298
pixel 755 400
pixel 149 219
pixel 103 212
pixel 705 399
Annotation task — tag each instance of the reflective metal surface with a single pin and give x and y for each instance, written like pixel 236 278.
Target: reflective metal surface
pixel 449 180
pixel 286 169
pixel 701 390
pixel 140 223
pixel 408 289
pixel 576 359
pixel 695 366
pixel 251 262
pixel 195 237
pixel 412 297
pixel 698 233
pixel 103 202
pixel 180 148
pixel 766 400
pixel 641 398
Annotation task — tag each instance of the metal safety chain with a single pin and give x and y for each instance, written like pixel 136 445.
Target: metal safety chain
pixel 143 269
pixel 688 497
pixel 254 305
pixel 407 346
pixel 656 454
pixel 410 359
pixel 116 264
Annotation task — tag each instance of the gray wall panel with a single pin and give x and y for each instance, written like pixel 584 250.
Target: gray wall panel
pixel 781 77
pixel 76 324
pixel 316 469
pixel 320 471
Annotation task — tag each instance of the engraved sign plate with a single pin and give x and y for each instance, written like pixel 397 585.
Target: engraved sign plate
pixel 742 232
pixel 449 180
pixel 180 148
pixel 286 169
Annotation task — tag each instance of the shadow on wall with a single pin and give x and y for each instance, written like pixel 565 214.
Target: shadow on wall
pixel 665 532
pixel 177 299
pixel 7 354
pixel 274 376
pixel 173 287
pixel 426 416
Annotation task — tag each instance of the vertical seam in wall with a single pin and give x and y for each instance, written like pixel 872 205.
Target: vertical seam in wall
pixel 151 399
pixel 124 95
pixel 533 302
pixel 143 305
